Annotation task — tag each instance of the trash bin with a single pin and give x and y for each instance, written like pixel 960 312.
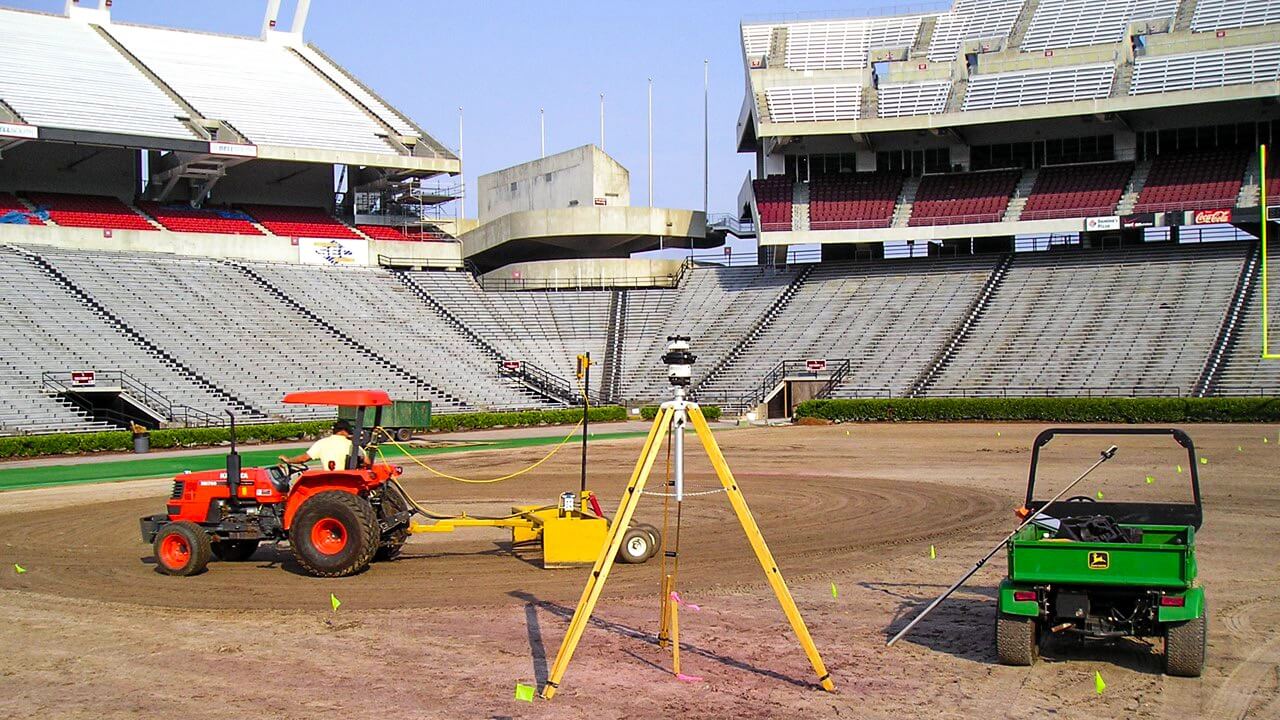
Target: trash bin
pixel 141 440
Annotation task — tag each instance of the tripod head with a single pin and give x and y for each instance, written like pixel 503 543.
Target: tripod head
pixel 679 361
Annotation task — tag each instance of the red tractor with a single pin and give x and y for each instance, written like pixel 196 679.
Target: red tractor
pixel 337 520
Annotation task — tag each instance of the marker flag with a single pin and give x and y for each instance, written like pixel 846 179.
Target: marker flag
pixel 18 568
pixel 680 601
pixel 1098 684
pixel 1204 461
pixel 1150 480
pixel 1099 494
pixel 1239 448
pixel 524 692
pixel 334 601
pixel 997 433
pixel 933 553
pixel 834 592
pixel 1179 469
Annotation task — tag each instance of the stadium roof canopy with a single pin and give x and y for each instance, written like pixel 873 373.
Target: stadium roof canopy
pixel 989 62
pixel 86 79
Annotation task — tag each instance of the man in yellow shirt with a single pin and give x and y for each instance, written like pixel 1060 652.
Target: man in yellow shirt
pixel 331 452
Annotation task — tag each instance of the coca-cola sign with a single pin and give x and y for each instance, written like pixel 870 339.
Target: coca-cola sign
pixel 1211 217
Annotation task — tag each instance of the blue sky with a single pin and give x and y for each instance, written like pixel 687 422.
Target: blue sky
pixel 502 60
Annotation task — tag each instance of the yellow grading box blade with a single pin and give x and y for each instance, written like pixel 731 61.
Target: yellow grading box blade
pixel 567 541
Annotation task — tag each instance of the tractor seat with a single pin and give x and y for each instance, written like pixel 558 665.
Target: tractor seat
pixel 279 479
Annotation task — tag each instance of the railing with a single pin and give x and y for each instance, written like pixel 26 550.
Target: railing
pixel 940 6
pixel 732 224
pixel 1176 205
pixel 1060 391
pixel 917 221
pixel 388 261
pixel 1060 213
pixel 576 283
pixel 546 382
pixel 775 226
pixel 881 222
pixel 63 383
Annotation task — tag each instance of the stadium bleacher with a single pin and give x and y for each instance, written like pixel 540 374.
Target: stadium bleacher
pixel 1226 14
pixel 972 20
pixel 1077 190
pixel 184 218
pixel 1208 69
pixel 1073 23
pixel 1193 181
pixel 853 200
pixel 814 103
pixel 1039 86
pixel 89 211
pixel 957 198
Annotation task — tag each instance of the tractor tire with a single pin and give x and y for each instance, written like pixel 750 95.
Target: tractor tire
pixel 234 550
pixel 637 546
pixel 1017 640
pixel 404 434
pixel 654 533
pixel 334 534
pixel 182 548
pixel 393 503
pixel 1184 647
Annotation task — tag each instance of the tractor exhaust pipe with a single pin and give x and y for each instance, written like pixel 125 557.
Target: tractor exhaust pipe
pixel 233 462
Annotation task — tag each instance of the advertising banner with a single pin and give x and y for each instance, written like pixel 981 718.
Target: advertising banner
pixel 332 251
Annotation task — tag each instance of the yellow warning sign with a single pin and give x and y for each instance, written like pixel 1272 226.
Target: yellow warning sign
pixel 1099 560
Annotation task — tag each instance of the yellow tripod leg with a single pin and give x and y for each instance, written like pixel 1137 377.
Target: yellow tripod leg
pixel 664 620
pixel 757 543
pixel 600 571
pixel 675 637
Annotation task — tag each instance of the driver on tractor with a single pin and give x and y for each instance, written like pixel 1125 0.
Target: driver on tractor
pixel 332 451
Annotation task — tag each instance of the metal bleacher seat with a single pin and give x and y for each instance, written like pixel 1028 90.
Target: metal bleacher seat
pixel 1073 23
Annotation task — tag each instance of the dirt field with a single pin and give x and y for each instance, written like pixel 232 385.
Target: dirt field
pixel 92 631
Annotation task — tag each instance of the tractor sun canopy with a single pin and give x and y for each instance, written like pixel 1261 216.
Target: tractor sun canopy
pixel 340 398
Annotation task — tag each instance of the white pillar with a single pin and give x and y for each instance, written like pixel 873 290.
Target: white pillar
pixel 269 19
pixel 300 17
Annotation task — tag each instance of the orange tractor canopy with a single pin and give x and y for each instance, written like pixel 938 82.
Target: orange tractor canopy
pixel 336 520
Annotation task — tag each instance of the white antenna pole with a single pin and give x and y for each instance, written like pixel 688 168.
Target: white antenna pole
pixel 602 121
pixel 651 142
pixel 542 130
pixel 462 174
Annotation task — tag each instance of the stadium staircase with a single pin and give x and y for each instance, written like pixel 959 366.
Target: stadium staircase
pixel 333 330
pixel 615 340
pixel 961 332
pixel 1186 13
pixel 1229 333
pixel 800 206
pixel 1122 80
pixel 924 36
pixel 757 327
pixel 547 385
pixel 906 198
pixel 1020 194
pixel 1134 189
pixel 1023 22
pixel 1248 196
pixel 247 411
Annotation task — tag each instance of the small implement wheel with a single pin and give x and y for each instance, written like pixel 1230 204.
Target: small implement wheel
pixel 404 434
pixel 1184 647
pixel 655 534
pixel 234 550
pixel 637 546
pixel 334 534
pixel 1017 640
pixel 182 548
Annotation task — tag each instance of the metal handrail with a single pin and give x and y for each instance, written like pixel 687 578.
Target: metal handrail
pixel 60 382
pixel 546 381
pixel 389 261
pixel 511 284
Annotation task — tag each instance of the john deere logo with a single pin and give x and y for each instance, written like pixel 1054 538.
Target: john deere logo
pixel 1099 560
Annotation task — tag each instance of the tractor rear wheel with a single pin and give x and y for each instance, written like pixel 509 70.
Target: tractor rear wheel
pixel 334 534
pixel 393 503
pixel 1184 647
pixel 1017 640
pixel 182 548
pixel 234 550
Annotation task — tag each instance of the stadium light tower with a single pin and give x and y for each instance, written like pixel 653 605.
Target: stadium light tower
pixel 462 173
pixel 651 149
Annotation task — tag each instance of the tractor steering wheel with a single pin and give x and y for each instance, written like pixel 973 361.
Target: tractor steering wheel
pixel 1079 498
pixel 291 469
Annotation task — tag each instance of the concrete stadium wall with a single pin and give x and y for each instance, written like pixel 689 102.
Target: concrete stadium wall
pixel 585 223
pixel 574 178
pixel 588 272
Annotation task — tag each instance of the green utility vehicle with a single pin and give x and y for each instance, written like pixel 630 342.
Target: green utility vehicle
pixel 401 418
pixel 1101 571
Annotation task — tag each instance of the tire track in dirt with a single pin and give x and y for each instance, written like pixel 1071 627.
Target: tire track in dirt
pixel 1240 692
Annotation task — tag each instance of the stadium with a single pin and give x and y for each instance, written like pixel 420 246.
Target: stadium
pixel 988 218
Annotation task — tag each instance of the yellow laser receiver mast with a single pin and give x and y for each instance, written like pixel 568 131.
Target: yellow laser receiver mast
pixel 667 413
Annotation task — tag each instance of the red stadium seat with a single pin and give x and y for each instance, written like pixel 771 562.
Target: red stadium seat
pixel 1193 181
pixel 91 211
pixel 853 200
pixel 960 198
pixel 9 204
pixel 1064 191
pixel 300 222
pixel 773 201
pixel 182 218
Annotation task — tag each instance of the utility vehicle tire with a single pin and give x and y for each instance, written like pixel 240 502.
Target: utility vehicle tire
pixel 334 534
pixel 234 550
pixel 655 534
pixel 182 548
pixel 404 434
pixel 1017 640
pixel 1184 647
pixel 393 503
pixel 637 546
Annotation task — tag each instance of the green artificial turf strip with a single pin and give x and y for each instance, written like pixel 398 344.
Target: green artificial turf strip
pixel 21 478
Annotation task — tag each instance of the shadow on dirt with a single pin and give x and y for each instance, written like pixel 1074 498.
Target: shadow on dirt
pixel 566 614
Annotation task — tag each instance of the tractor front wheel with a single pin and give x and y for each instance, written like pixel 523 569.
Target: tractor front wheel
pixel 334 534
pixel 182 548
pixel 1017 641
pixel 1184 647
pixel 234 550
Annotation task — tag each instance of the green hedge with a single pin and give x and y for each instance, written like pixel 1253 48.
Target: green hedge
pixel 1113 410
pixel 76 443
pixel 711 412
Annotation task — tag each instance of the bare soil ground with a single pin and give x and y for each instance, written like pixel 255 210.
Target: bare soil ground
pixel 92 631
